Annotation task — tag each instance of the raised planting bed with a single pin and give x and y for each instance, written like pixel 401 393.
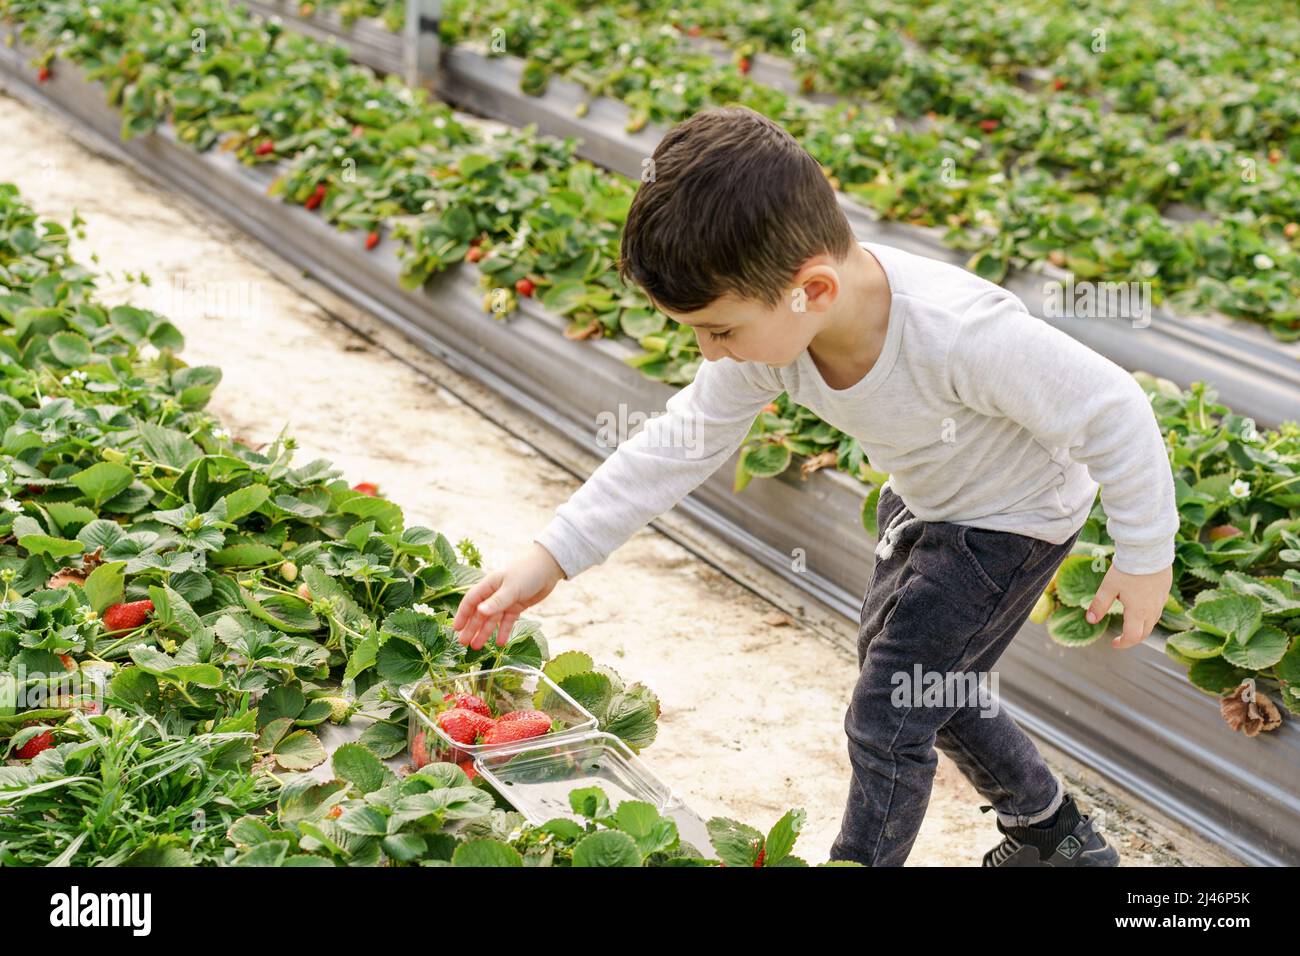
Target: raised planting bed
pixel 1253 372
pixel 1131 715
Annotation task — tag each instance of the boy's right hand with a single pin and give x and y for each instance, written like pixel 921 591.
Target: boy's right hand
pixel 499 599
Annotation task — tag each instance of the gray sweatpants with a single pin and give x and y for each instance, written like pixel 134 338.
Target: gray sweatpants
pixel 944 602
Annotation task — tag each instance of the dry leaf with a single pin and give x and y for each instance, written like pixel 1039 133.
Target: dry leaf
pixel 1249 710
pixel 592 330
pixel 817 462
pixel 65 576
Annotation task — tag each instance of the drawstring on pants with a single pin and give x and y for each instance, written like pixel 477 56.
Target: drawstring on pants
pixel 889 537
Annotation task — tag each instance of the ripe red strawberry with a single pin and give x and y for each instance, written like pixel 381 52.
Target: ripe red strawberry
pixel 264 147
pixel 527 715
pixel 525 286
pixel 1291 230
pixel 1058 84
pixel 42 74
pixel 468 767
pixel 34 746
pixel 694 30
pixel 316 198
pixel 358 130
pixel 334 812
pixel 36 489
pixel 372 240
pixel 474 254
pixel 744 65
pixel 988 125
pixel 512 730
pixel 128 616
pixel 419 750
pixel 68 663
pixel 762 855
pixel 464 726
pixel 366 488
pixel 476 241
pixel 469 702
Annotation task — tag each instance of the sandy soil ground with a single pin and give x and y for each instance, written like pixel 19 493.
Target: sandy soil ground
pixel 752 712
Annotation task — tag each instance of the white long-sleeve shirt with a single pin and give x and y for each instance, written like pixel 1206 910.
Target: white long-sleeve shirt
pixel 981 413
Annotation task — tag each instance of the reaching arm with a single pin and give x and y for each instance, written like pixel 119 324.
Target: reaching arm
pixel 672 454
pixel 1006 362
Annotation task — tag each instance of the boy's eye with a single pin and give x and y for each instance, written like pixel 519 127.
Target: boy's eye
pixel 719 335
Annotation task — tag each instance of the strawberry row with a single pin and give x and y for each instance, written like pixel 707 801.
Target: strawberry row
pixel 1017 184
pixel 175 593
pixel 1225 78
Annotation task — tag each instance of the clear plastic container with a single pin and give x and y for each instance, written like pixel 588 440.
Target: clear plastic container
pixel 536 777
pixel 503 689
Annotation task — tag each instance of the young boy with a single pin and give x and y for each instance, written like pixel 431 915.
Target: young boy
pixel 996 430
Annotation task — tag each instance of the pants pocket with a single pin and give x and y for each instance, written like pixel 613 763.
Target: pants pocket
pixel 996 556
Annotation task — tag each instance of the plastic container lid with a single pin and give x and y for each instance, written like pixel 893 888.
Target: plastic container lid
pixel 537 776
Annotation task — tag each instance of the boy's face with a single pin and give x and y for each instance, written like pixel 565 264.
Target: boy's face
pixel 750 331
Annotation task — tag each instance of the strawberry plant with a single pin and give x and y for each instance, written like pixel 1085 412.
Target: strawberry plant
pixel 153 613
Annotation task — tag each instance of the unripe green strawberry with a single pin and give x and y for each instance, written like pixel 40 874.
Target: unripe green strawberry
pixel 289 571
pixel 340 708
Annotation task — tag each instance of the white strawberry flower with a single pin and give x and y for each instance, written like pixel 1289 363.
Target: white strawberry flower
pixel 1239 489
pixel 148 352
pixel 10 504
pixel 1172 168
pixel 1263 261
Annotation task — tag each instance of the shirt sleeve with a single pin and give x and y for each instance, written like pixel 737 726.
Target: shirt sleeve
pixel 1006 362
pixel 700 428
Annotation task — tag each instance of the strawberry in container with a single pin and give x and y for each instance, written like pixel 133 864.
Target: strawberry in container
pixel 460 716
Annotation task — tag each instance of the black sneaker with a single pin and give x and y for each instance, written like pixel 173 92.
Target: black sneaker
pixel 1071 841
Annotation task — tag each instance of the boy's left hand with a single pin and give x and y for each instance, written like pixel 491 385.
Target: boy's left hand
pixel 1143 597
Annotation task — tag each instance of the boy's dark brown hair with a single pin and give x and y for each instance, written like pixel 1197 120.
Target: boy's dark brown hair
pixel 734 204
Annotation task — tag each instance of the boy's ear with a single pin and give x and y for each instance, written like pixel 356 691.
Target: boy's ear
pixel 819 286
